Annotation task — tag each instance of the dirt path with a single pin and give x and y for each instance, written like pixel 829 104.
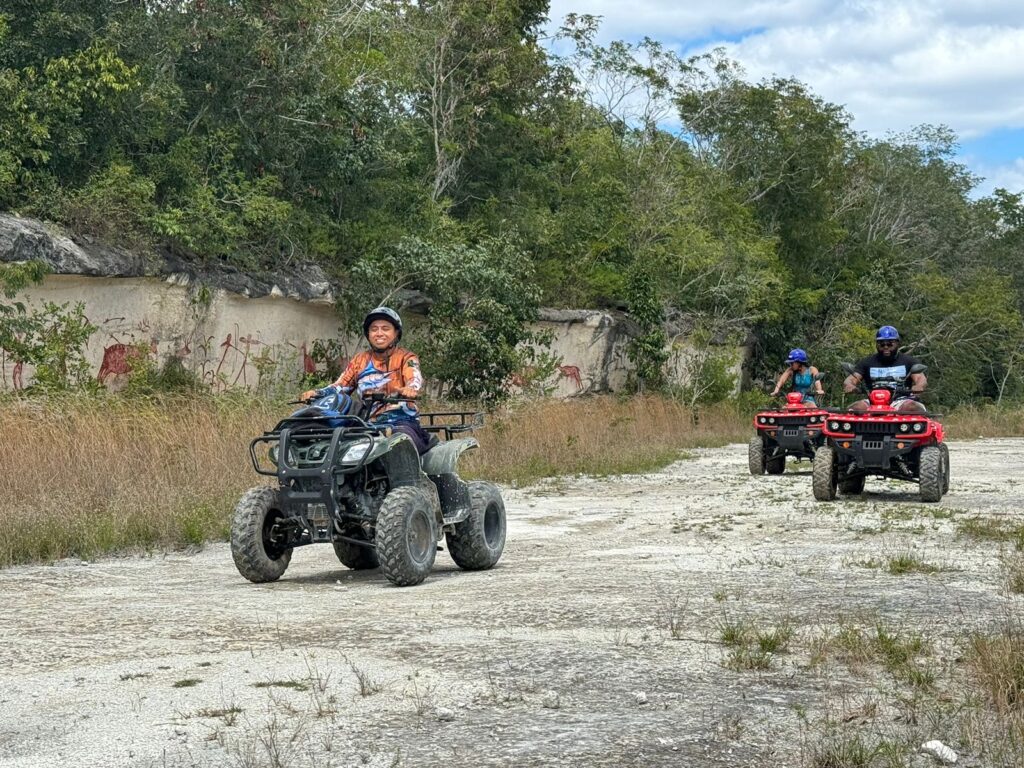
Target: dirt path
pixel 595 642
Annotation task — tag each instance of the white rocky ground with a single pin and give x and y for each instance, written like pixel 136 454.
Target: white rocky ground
pixel 595 642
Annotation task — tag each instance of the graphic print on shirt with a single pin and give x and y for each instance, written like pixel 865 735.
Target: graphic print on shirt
pixel 895 373
pixel 371 378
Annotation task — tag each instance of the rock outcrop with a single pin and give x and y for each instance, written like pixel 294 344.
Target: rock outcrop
pixel 27 240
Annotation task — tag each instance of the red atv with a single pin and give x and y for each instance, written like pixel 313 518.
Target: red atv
pixel 792 430
pixel 883 441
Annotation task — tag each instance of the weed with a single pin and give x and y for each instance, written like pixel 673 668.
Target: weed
pixel 228 714
pixel 775 640
pixel 735 633
pixel 1013 573
pixel 188 682
pixel 989 529
pixel 907 562
pixel 745 658
pixel 295 685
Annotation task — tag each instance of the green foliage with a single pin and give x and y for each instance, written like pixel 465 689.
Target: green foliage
pixel 56 347
pixel 476 335
pixel 647 351
pixel 51 339
pixel 416 137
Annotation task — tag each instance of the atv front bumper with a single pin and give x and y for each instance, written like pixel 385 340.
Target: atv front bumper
pixel 874 451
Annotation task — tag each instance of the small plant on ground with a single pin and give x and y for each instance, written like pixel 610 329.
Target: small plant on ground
pixel 295 685
pixel 908 562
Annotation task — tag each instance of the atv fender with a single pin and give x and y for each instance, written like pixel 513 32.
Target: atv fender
pixel 440 464
pixel 443 458
pixel 398 455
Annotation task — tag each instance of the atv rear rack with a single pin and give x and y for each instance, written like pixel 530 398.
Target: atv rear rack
pixel 467 422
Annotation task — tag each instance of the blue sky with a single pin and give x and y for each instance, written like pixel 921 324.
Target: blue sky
pixel 893 64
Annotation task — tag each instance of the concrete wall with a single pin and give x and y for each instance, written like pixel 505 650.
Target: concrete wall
pixel 230 340
pixel 227 339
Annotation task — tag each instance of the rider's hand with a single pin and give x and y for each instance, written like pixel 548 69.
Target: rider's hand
pixel 309 394
pixel 407 392
pixel 775 393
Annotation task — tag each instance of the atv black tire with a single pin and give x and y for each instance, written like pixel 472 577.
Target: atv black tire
pixel 775 465
pixel 824 476
pixel 755 455
pixel 256 555
pixel 477 542
pixel 852 486
pixel 945 468
pixel 931 477
pixel 406 536
pixel 356 557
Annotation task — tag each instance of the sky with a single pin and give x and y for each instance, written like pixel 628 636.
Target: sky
pixel 893 64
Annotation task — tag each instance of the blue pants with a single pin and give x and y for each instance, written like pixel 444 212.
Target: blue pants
pixel 411 427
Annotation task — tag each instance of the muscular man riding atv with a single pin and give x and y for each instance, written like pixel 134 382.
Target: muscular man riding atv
pixel 384 370
pixel 888 367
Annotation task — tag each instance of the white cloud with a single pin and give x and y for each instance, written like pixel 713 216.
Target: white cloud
pixel 893 63
pixel 1009 177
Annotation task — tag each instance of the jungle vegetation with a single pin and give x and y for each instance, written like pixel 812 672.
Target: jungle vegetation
pixel 457 148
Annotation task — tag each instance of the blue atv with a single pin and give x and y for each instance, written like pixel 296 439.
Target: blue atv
pixel 345 481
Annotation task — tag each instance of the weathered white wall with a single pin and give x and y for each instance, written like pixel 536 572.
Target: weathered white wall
pixel 230 340
pixel 224 337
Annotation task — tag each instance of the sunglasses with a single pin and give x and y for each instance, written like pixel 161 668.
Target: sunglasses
pixel 885 343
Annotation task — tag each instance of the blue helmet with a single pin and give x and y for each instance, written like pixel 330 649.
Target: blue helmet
pixel 796 356
pixel 887 333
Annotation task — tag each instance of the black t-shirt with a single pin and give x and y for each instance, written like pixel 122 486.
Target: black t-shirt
pixel 875 368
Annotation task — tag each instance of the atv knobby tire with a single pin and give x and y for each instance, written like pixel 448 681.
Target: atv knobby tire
pixel 945 468
pixel 406 536
pixel 851 486
pixel 356 557
pixel 477 542
pixel 775 465
pixel 256 556
pixel 930 475
pixel 755 455
pixel 824 478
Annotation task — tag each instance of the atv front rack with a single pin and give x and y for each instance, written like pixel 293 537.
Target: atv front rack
pixel 436 422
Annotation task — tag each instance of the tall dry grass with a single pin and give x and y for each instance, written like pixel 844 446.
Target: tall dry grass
pixel 970 422
pixel 87 476
pixel 83 477
pixel 597 436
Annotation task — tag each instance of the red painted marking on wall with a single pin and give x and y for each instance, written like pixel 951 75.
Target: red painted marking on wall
pixel 573 373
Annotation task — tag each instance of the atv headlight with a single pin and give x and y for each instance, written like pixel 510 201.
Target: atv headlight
pixel 846 426
pixel 763 420
pixel 771 420
pixel 835 426
pixel 919 426
pixel 354 453
pixel 904 427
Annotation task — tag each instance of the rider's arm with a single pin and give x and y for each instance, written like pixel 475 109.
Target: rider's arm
pixel 348 378
pixel 412 377
pixel 783 378
pixel 817 382
pixel 851 382
pixel 918 382
pixel 343 383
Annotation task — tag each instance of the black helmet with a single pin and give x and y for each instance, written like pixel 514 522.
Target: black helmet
pixel 383 313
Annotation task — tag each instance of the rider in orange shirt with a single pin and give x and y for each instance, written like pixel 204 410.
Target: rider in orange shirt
pixel 385 369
